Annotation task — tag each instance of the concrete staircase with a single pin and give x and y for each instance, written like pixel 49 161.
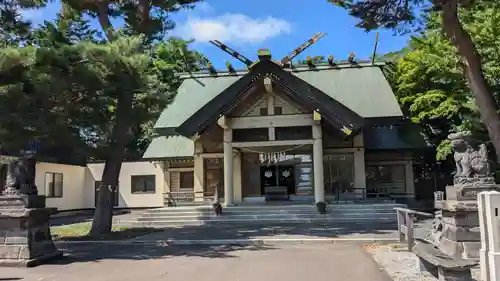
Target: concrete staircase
pixel 348 213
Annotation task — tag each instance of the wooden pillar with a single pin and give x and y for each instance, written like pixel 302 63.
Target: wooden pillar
pixel 228 168
pixel 319 183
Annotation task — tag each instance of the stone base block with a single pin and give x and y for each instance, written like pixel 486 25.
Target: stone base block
pixel 425 266
pixel 459 233
pixel 25 238
pixel 469 219
pixel 448 275
pixel 30 262
pixel 465 250
pixel 22 202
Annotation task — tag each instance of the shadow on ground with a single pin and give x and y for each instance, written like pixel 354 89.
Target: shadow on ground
pixel 96 252
pixel 93 253
pixel 65 218
pixel 275 230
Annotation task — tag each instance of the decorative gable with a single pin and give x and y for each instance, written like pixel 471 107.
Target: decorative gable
pixel 270 104
pixel 257 107
pixel 286 107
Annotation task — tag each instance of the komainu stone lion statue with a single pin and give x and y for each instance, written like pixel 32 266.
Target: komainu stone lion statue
pixel 471 163
pixel 21 175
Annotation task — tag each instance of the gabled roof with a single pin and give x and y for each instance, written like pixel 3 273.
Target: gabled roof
pixel 169 147
pixel 361 88
pixel 338 115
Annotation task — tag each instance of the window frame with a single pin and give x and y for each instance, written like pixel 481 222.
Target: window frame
pixel 377 178
pixel 263 111
pixel 134 178
pixel 278 108
pixel 47 188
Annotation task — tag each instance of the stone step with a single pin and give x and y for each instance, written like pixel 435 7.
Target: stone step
pixel 371 216
pixel 360 207
pixel 258 212
pixel 332 221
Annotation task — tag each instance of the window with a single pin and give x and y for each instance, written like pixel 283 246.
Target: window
pixel 54 185
pixel 293 133
pixel 186 180
pixel 338 170
pixel 386 179
pixel 256 134
pixel 263 111
pixel 278 110
pixel 214 176
pixel 143 184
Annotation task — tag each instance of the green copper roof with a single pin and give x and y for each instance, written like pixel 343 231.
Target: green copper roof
pixel 169 147
pixel 191 96
pixel 362 89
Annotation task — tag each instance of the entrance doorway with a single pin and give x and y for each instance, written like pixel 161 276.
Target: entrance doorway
pixel 277 179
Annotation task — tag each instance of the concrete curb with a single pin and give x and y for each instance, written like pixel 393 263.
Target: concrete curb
pixel 250 241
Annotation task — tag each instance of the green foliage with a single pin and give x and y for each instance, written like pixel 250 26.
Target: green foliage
pixel 429 81
pixel 65 91
pixel 399 15
pixel 69 27
pixel 146 17
pixel 13 29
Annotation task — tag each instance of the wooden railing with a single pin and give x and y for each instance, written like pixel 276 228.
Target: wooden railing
pixel 175 197
pixel 361 194
pixel 406 218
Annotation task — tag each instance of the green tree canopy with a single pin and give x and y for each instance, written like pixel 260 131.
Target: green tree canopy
pixel 453 17
pixel 429 82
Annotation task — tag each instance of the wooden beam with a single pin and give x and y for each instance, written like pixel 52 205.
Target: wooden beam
pixel 316 117
pixel 268 85
pixel 272 121
pixel 270 143
pixel 224 122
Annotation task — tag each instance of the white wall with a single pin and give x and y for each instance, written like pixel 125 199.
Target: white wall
pixel 126 198
pixel 73 185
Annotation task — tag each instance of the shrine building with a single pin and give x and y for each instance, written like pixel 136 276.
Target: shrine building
pixel 315 132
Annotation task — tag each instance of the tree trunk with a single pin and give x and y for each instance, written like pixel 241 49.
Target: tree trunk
pixel 103 216
pixel 473 70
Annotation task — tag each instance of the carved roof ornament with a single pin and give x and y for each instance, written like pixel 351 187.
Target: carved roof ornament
pixel 472 165
pixel 265 54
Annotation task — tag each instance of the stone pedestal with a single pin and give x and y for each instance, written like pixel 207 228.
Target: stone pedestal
pixel 460 235
pixel 25 238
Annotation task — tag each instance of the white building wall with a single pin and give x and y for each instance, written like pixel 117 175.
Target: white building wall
pixel 126 198
pixel 73 185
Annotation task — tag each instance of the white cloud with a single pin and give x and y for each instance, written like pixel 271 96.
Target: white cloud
pixel 204 8
pixel 233 28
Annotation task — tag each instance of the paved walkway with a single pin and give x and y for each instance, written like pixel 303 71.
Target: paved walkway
pixel 208 263
pixel 284 231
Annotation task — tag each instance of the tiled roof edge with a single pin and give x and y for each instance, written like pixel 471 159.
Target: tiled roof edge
pixel 296 68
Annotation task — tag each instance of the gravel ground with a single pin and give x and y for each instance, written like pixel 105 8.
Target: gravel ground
pixel 401 265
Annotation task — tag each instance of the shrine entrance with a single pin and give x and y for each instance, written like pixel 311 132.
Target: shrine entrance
pixel 277 182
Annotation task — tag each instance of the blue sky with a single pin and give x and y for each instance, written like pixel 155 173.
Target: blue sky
pixel 279 25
